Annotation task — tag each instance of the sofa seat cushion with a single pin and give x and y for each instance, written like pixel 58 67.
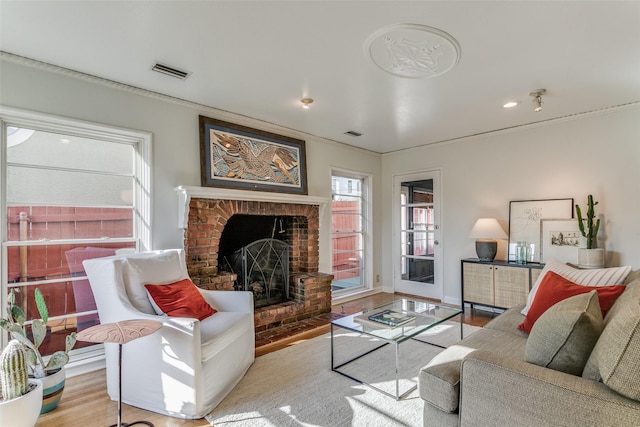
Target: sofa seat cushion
pixel 217 332
pixel 563 337
pixel 614 359
pixel 439 380
pixel 508 321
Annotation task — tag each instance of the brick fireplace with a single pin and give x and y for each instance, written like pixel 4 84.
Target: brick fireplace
pixel 204 213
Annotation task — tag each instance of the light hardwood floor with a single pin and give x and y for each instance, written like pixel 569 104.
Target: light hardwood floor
pixel 85 402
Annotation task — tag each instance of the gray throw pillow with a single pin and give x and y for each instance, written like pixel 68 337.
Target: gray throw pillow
pixel 564 336
pixel 615 360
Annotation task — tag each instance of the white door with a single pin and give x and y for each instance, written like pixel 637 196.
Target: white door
pixel 417 248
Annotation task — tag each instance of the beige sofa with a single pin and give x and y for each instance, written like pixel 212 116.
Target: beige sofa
pixel 484 379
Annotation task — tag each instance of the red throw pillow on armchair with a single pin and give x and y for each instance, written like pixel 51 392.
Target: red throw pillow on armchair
pixel 555 288
pixel 180 299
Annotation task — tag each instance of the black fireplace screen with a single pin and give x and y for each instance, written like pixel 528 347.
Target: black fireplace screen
pixel 262 267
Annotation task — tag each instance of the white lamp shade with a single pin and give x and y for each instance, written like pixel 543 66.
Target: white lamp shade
pixel 487 228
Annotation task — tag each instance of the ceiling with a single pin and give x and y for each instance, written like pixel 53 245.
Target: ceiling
pixel 258 59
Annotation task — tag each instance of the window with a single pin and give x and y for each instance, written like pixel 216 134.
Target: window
pixel 71 191
pixel 349 225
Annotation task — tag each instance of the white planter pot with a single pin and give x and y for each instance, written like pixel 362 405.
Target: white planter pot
pixel 22 411
pixel 590 258
pixel 53 387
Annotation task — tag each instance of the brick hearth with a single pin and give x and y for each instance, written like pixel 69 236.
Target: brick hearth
pixel 310 290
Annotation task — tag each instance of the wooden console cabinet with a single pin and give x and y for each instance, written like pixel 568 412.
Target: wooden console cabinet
pixel 499 284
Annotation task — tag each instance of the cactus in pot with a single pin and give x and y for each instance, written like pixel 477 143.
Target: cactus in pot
pixel 13 371
pixel 590 230
pixel 15 325
pixel 20 396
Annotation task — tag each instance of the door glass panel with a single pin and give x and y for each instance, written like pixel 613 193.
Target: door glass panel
pixel 417 234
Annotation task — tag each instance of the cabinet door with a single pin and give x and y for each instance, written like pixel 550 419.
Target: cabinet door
pixel 535 273
pixel 478 283
pixel 511 286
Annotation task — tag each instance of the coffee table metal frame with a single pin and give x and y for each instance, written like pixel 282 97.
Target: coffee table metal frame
pixel 427 315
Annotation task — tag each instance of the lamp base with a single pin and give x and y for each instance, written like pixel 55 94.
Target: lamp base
pixel 486 249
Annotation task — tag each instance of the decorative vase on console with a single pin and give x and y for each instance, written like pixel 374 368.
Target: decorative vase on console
pixel 589 257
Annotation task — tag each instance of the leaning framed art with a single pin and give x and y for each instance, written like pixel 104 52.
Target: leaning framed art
pixel 560 239
pixel 235 156
pixel 524 222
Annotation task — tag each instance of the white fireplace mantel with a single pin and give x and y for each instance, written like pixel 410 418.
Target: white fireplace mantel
pixel 186 193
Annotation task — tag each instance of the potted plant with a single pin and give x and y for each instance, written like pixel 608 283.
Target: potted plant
pixel 589 257
pixel 20 396
pixel 51 373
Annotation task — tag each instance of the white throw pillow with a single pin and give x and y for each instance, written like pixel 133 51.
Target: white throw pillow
pixel 155 268
pixel 587 277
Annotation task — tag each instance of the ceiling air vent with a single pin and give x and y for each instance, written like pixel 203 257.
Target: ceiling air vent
pixel 170 71
pixel 352 133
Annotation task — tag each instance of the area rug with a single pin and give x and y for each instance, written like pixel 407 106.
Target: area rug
pixel 296 387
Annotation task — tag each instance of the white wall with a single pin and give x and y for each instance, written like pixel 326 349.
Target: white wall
pixel 596 154
pixel 176 146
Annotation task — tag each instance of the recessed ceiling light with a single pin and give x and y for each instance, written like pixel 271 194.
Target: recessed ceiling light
pixel 510 104
pixel 306 102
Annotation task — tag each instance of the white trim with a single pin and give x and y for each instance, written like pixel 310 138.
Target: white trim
pixel 218 113
pixel 436 291
pixel 186 193
pixel 357 295
pixel 508 130
pixel 367 244
pixel 272 127
pixel 140 140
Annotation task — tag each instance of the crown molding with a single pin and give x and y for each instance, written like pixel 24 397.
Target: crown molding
pixel 201 108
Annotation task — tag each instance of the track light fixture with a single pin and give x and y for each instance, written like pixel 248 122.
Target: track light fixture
pixel 537 99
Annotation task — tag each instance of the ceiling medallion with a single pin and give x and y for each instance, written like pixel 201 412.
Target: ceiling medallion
pixel 412 50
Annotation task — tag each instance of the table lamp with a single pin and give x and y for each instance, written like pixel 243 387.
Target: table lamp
pixel 485 231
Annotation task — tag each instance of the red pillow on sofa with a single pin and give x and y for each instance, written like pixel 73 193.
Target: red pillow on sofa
pixel 180 299
pixel 554 288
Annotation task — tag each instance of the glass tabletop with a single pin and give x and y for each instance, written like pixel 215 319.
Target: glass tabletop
pixel 399 320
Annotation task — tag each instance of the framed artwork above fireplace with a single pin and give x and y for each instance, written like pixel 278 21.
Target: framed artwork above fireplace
pixel 239 157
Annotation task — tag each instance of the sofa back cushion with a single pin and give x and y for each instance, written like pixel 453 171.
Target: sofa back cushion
pixel 614 359
pixel 587 277
pixel 564 336
pixel 555 288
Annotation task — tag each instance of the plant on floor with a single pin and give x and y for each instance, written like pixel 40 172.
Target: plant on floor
pixel 591 229
pixel 15 325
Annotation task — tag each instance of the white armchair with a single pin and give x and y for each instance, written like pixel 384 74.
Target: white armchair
pixel 186 368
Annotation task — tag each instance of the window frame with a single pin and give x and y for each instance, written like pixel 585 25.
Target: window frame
pixel 89 358
pixel 366 209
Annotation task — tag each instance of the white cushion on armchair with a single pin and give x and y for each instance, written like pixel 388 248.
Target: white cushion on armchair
pixel 188 366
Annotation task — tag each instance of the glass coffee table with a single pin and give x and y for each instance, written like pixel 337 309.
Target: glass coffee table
pixel 392 324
